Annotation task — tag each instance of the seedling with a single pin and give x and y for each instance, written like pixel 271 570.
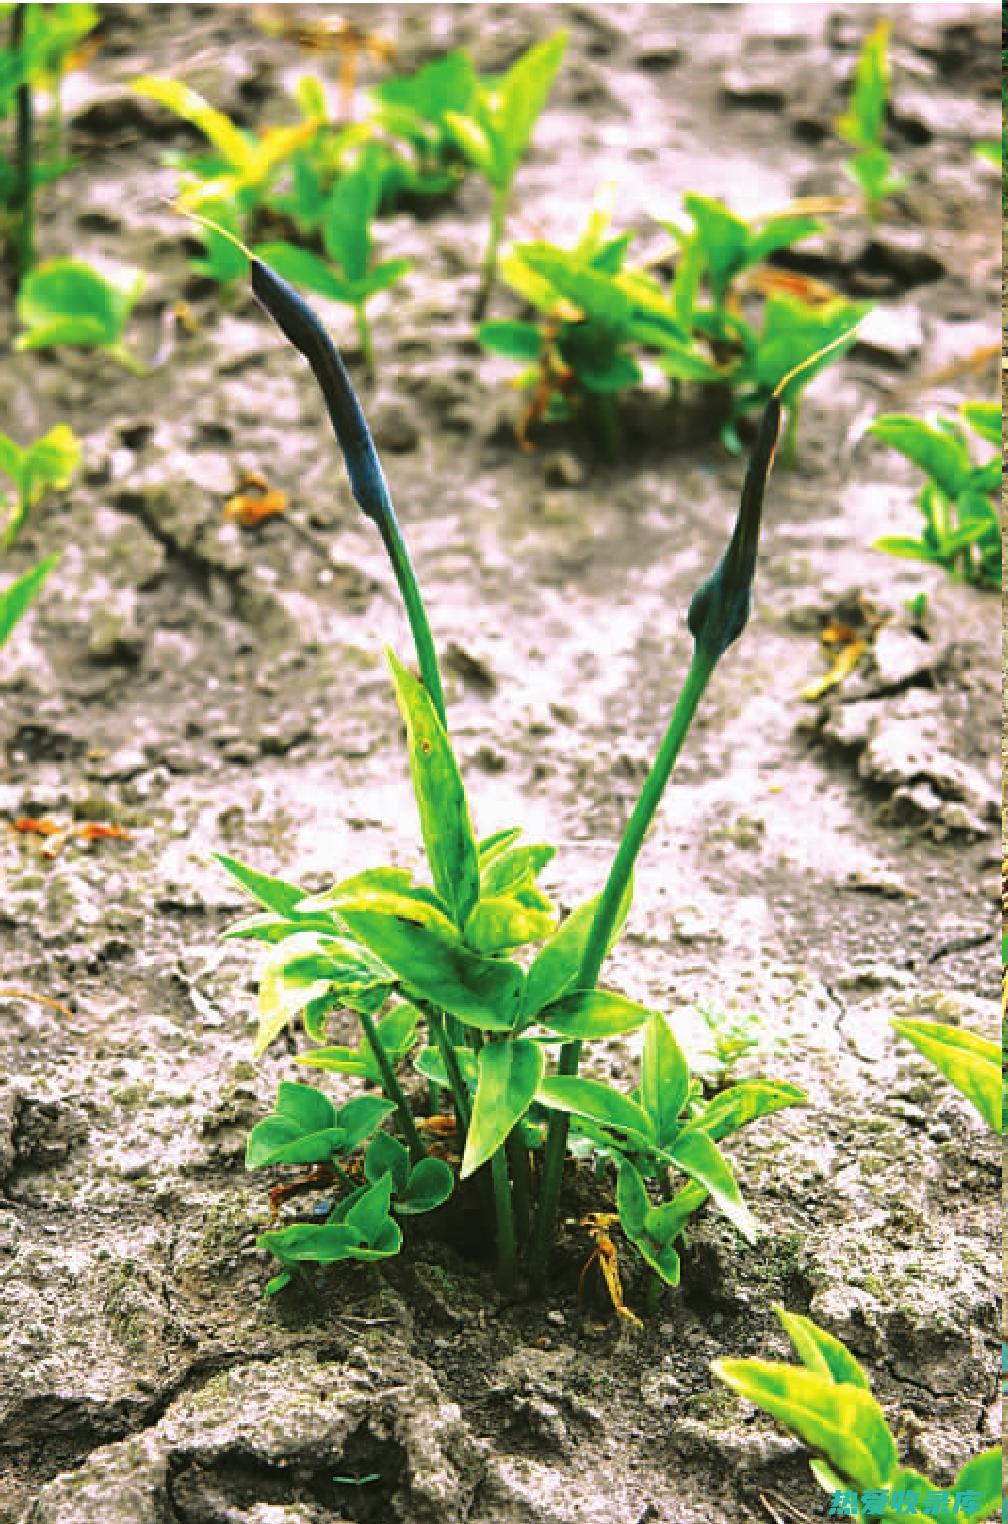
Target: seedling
pixel 828 1403
pixel 970 1062
pixel 455 950
pixel 67 302
pixel 18 596
pixel 863 123
pixel 347 239
pixel 495 131
pixel 959 501
pixel 414 111
pixel 47 463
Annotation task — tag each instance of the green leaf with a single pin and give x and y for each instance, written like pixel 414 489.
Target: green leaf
pixel 500 922
pixel 636 1214
pixel 429 1186
pixel 664 1079
pixel 302 1130
pixel 389 892
pixel 598 1102
pixel 508 1075
pixel 437 784
pixel 863 121
pixel 290 976
pixel 779 233
pixel 359 1117
pixel 65 301
pixel 49 462
pixel 370 1211
pixel 18 596
pixel 793 331
pixel 274 893
pixel 982 1474
pixel 483 992
pixel 383 276
pixel 515 340
pixel 588 1014
pixel 985 419
pixel 430 1064
pixel 303 268
pixel 701 1159
pixel 397 1033
pixel 819 1351
pixel 745 1102
pixel 346 223
pixel 521 95
pixel 945 459
pixel 599 296
pixel 844 1423
pixel 445 84
pixel 472 140
pixel 492 846
pixel 722 237
pixel 509 870
pixel 967 1060
pixel 312 1243
pixel 216 127
pixel 387 1156
pixel 558 964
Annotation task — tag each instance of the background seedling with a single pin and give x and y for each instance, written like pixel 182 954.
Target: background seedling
pixel 67 302
pixel 347 239
pixel 47 463
pixel 863 123
pixel 959 501
pixel 827 1402
pixel 413 111
pixel 494 135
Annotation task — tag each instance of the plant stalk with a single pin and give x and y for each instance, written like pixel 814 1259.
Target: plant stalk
pixel 506 1249
pixel 23 196
pixel 392 1088
pixel 521 1184
pixel 600 936
pixel 364 338
pixel 456 1084
pixel 416 613
pixel 488 274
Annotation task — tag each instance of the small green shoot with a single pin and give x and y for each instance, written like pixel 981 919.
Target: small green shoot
pixel 352 276
pixel 827 1402
pixel 863 123
pixel 413 111
pixel 494 135
pixel 968 1061
pixel 959 501
pixel 18 596
pixel 66 302
pixel 44 465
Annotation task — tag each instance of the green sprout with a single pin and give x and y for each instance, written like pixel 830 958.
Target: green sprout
pixel 65 301
pixel 827 1402
pixel 351 276
pixel 968 1061
pixel 18 596
pixel 45 464
pixel 478 960
pixel 413 111
pixel 494 135
pixel 862 124
pixel 959 501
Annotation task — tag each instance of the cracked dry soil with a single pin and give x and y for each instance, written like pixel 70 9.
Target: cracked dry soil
pixel 822 865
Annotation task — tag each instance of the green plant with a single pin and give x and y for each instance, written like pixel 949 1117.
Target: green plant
pixel 959 501
pixel 43 39
pixel 495 131
pixel 18 596
pixel 46 463
pixel 65 301
pixel 413 111
pixel 828 1403
pixel 455 952
pixel 347 240
pixel 970 1062
pixel 863 123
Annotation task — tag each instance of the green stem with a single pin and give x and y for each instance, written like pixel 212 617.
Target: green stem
pixel 601 934
pixel 506 1250
pixel 456 1084
pixel 23 197
pixel 364 338
pixel 409 588
pixel 488 274
pixel 789 443
pixel 521 1183
pixel 392 1087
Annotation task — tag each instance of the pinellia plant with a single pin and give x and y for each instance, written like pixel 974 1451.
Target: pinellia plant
pixel 828 1403
pixel 45 464
pixel 494 134
pixel 452 956
pixel 863 123
pixel 959 501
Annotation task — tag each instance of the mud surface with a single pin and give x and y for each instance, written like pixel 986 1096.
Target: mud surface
pixel 823 865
